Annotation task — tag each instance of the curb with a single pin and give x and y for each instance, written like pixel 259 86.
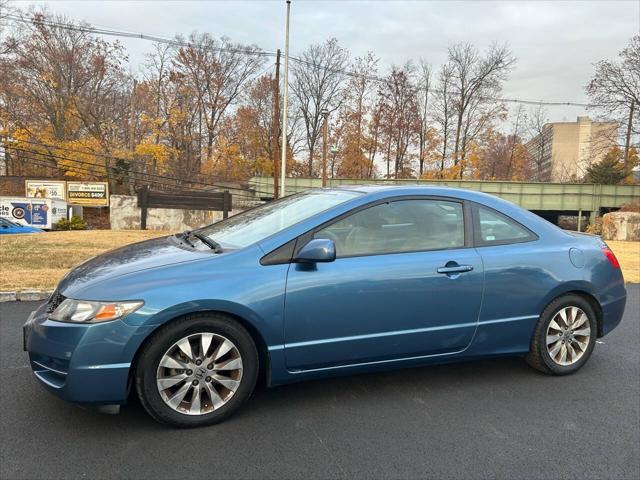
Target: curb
pixel 25 296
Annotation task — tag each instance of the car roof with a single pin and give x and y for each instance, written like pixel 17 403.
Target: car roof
pixel 435 190
pixel 378 192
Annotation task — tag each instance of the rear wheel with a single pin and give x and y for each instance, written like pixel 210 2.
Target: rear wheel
pixel 197 370
pixel 564 337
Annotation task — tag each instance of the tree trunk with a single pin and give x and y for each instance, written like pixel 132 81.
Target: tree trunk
pixel 627 140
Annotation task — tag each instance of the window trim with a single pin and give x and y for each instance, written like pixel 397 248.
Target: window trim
pixel 466 218
pixel 477 235
pixel 285 253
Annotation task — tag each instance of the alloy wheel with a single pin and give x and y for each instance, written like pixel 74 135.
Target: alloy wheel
pixel 199 373
pixel 568 335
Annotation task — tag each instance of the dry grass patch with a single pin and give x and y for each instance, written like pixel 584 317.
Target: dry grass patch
pixel 628 254
pixel 38 261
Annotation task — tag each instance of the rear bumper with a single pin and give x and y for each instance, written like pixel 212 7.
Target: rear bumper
pixel 612 312
pixel 79 363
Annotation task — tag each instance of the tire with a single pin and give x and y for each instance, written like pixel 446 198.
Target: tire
pixel 163 347
pixel 540 355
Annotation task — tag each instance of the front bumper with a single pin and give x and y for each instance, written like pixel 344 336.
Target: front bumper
pixel 82 363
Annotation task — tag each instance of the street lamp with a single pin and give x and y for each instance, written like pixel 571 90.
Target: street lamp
pixel 283 167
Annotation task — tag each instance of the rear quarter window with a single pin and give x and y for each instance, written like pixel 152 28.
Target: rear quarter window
pixel 494 228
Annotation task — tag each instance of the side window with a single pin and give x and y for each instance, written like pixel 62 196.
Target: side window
pixel 495 228
pixel 401 226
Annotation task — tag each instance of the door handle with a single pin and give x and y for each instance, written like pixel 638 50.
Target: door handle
pixel 455 269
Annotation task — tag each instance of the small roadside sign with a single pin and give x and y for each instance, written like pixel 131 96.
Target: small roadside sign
pixel 46 189
pixel 88 194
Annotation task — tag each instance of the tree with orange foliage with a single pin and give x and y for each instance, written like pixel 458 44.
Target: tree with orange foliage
pixel 502 157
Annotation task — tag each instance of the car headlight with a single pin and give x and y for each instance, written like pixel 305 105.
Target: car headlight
pixel 83 311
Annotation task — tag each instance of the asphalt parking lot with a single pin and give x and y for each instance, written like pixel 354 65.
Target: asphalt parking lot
pixel 490 419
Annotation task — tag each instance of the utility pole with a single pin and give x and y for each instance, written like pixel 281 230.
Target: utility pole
pixel 132 134
pixel 276 126
pixel 3 157
pixel 283 149
pixel 627 167
pixel 325 145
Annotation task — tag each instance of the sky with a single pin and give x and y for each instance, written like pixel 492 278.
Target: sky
pixel 556 43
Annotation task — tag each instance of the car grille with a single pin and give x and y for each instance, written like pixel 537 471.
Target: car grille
pixel 54 301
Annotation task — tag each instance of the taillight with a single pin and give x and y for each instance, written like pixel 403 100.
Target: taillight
pixel 610 256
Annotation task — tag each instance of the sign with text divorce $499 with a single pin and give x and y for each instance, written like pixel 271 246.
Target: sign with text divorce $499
pixel 88 194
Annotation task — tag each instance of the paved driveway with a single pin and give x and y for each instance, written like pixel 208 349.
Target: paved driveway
pixel 490 419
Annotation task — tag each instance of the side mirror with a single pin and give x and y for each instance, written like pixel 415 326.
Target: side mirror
pixel 317 250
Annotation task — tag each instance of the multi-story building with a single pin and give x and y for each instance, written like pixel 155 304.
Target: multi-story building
pixel 564 150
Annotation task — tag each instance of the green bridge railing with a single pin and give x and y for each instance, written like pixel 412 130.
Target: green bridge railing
pixel 555 197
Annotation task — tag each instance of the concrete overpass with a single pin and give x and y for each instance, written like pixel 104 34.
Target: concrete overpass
pixel 547 199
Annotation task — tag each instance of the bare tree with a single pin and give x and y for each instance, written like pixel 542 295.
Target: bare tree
pixel 217 70
pixel 540 133
pixel 480 116
pixel 400 117
pixel 424 89
pixel 5 8
pixel 444 112
pixel 514 138
pixel 477 78
pixel 156 74
pixel 374 136
pixel 615 91
pixel 317 84
pixel 57 75
pixel 349 134
pixel 359 89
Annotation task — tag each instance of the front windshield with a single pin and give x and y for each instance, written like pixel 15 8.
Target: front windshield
pixel 258 223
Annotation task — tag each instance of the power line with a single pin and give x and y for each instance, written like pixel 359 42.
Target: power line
pixel 144 36
pixel 88 28
pixel 378 79
pixel 117 169
pixel 245 193
pixel 88 170
pixel 43 163
pixel 111 157
pixel 129 181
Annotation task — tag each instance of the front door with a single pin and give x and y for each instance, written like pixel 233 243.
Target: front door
pixel 404 284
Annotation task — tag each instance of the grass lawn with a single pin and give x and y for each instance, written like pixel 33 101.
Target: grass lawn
pixel 628 254
pixel 38 261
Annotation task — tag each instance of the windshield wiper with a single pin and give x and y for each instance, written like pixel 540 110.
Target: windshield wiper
pixel 215 246
pixel 212 244
pixel 184 236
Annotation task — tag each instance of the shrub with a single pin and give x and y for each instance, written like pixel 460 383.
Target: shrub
pixel 609 170
pixel 76 223
pixel 631 207
pixel 596 227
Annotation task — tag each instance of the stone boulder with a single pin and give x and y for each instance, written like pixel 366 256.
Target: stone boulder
pixel 621 226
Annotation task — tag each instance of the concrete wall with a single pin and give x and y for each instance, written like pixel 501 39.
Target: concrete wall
pixel 125 215
pixel 621 226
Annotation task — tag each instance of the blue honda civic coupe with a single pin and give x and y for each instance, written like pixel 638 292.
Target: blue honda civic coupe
pixel 322 283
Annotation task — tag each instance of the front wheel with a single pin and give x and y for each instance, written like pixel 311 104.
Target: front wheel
pixel 564 336
pixel 197 370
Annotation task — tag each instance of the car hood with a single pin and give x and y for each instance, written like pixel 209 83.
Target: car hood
pixel 158 252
